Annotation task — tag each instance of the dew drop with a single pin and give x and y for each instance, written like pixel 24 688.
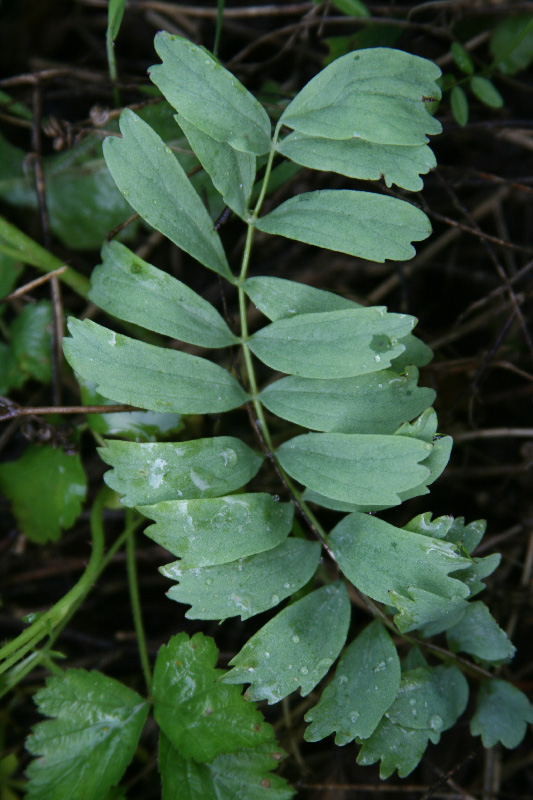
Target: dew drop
pixel 295 639
pixel 267 654
pixel 304 670
pixel 274 600
pixel 342 679
pixel 436 722
pixel 377 359
pixel 354 716
pixel 209 581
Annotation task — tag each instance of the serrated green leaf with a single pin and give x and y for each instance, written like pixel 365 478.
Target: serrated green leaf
pixel 478 634
pixel 375 94
pixel 385 225
pixel 379 558
pixel 86 749
pixel 355 468
pixel 278 298
pixel 430 701
pixel 511 43
pixel 296 648
pixel 435 463
pixel 485 91
pixel 131 289
pixel 358 158
pixel 373 403
pixel 143 375
pixel 423 428
pixel 200 715
pixel 31 340
pixel 430 613
pixel 242 775
pixel 150 473
pixel 459 105
pixel 435 528
pixel 232 171
pixel 245 587
pixel 366 682
pixel 467 536
pixel 154 183
pixel 46 488
pixel 501 715
pixel 332 344
pixel 209 96
pixel 479 568
pixel 206 532
pixel 461 56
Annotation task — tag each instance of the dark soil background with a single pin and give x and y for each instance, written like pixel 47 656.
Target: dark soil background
pixel 470 285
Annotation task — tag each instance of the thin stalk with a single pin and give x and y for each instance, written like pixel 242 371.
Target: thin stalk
pixel 220 20
pixel 136 601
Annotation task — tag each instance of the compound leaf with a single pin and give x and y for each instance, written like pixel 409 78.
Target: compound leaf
pixel 242 775
pixel 245 587
pixel 150 473
pixel 154 183
pixel 86 749
pixel 209 96
pixel 374 403
pixel 201 716
pixel 385 225
pixel 47 488
pixel 296 648
pixel 131 289
pixel 143 375
pixel 366 682
pixel 358 158
pixel 356 468
pixel 501 715
pixel 278 298
pixel 478 634
pixel 215 531
pixel 376 94
pixel 332 344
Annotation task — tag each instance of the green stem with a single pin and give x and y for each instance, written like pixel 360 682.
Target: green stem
pixel 135 600
pixel 218 32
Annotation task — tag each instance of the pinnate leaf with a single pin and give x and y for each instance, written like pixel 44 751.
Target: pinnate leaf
pixel 87 747
pixel 296 648
pixel 201 716
pixel 501 715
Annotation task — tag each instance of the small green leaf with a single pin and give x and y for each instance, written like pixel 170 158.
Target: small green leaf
pixel 242 775
pixel 278 298
pixel 245 587
pixel 47 488
pixel 479 568
pixel 150 473
pixel 501 715
pixel 479 634
pixel 206 532
pixel 485 91
pixel 373 403
pixel 511 43
pixel 332 344
pixel 355 468
pixel 154 183
pixel 232 171
pixel 461 56
pixel 385 226
pixel 11 377
pixel 143 375
pixel 358 158
pixel 365 685
pixel 209 96
pixel 131 289
pixel 10 270
pixel 416 353
pixel 115 14
pixel 459 105
pixel 31 340
pixel 352 8
pixel 86 749
pixel 200 715
pixel 296 648
pixel 375 94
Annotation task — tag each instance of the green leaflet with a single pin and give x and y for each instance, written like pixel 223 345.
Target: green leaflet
pixel 355 468
pixel 200 715
pixel 207 532
pixel 478 634
pixel 154 183
pixel 296 648
pixel 501 715
pixel 366 682
pixel 242 775
pixel 363 224
pixel 277 298
pixel 361 159
pixel 31 340
pixel 232 171
pixel 479 568
pixel 150 473
pixel 436 463
pixel 485 91
pixel 375 94
pixel 332 344
pixel 416 353
pixel 245 587
pixel 379 558
pixel 421 610
pixel 374 403
pixel 511 43
pixel 209 96
pixel 131 289
pixel 143 375
pixel 430 701
pixel 47 488
pixel 86 749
